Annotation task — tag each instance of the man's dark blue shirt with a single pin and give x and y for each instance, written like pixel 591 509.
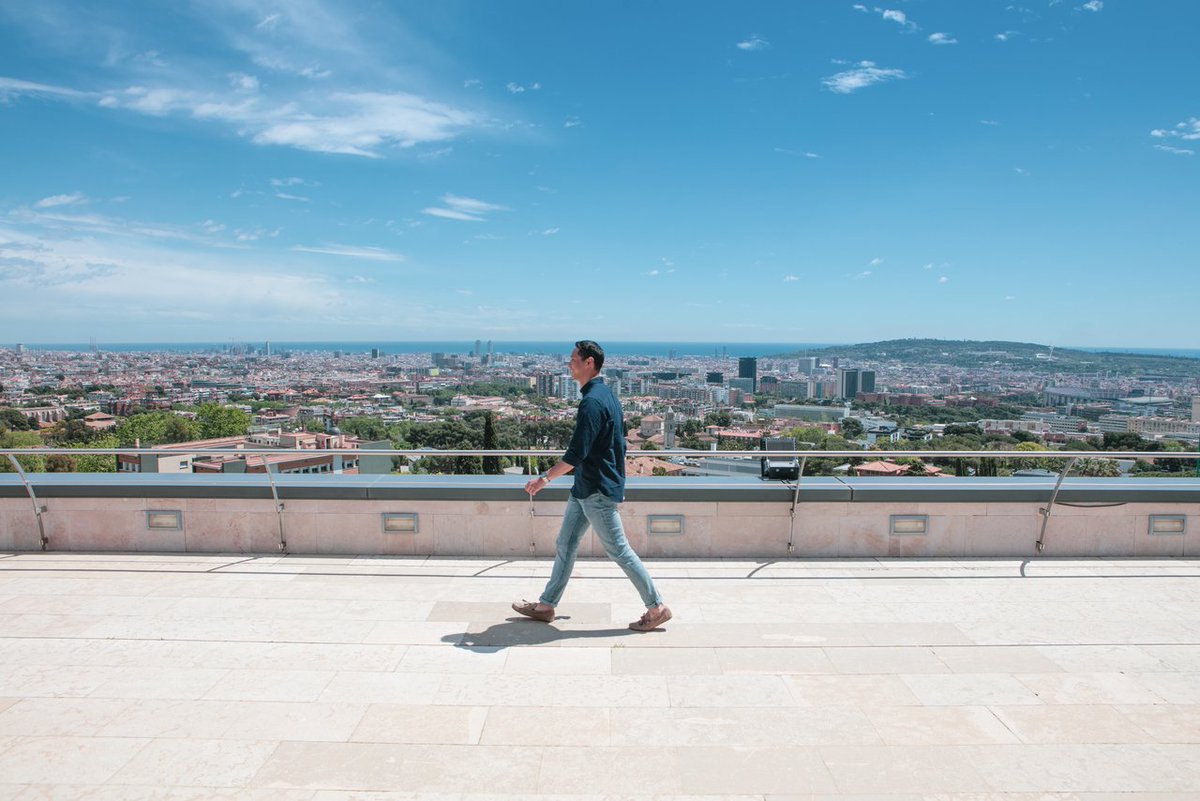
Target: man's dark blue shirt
pixel 597 449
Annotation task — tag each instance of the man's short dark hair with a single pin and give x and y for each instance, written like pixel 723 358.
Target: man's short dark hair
pixel 588 348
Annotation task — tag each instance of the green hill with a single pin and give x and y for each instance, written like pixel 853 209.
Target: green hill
pixel 1012 355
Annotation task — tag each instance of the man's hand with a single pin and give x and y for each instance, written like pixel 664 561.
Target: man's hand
pixel 536 484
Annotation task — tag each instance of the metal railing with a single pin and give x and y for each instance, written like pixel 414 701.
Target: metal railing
pixel 803 456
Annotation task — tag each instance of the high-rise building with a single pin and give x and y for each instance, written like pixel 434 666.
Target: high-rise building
pixel 847 382
pixel 748 368
pixel 807 365
pixel 1195 407
pixel 478 348
pixel 374 353
pixel 714 378
pixel 853 380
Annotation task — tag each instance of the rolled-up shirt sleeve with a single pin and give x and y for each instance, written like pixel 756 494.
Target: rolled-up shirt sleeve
pixel 588 423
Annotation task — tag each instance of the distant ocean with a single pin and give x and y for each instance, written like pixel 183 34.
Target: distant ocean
pixel 664 349
pixel 731 349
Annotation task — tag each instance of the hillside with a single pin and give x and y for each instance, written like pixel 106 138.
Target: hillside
pixel 1013 355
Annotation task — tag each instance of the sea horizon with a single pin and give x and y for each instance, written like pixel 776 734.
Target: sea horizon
pixel 613 347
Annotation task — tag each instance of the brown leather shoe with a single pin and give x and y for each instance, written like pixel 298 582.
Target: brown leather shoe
pixel 529 609
pixel 652 619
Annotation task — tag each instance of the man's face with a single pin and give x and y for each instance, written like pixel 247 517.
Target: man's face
pixel 582 370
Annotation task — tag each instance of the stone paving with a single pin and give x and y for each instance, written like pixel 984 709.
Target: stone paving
pixel 331 679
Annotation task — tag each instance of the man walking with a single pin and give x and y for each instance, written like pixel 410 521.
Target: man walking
pixel 597 455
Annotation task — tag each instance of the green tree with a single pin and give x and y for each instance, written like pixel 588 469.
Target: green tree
pixel 15 420
pixel 216 420
pixel 852 427
pixel 1096 467
pixel 30 463
pixel 491 464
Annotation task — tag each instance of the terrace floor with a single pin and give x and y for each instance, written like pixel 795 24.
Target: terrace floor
pixel 330 679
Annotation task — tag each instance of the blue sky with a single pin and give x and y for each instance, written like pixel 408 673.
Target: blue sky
pixel 755 171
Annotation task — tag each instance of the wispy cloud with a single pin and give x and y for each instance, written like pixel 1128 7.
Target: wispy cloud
pixel 463 208
pixel 472 83
pixel 572 122
pixel 516 88
pixel 864 75
pixel 550 231
pixel 943 279
pixel 12 87
pixel 988 122
pixel 942 39
pixel 753 43
pixel 1092 5
pixel 790 278
pixel 352 251
pixel 1021 171
pixel 891 14
pixel 292 181
pixel 73 199
pixel 1006 35
pixel 1186 131
pixel 297 198
pixel 875 262
pixel 805 153
pixel 863 274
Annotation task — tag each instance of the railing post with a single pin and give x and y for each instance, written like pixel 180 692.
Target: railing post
pixel 278 505
pixel 1048 508
pixel 791 543
pixel 37 507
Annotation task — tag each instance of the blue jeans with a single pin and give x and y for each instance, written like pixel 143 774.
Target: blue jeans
pixel 601 512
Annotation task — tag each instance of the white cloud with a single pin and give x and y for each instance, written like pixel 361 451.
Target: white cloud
pixel 572 122
pixel 11 87
pixel 472 83
pixel 352 251
pixel 805 153
pixel 1010 297
pixel 550 232
pixel 286 196
pixel 942 39
pixel 862 8
pixel 895 16
pixel 269 21
pixel 1092 5
pixel 1180 151
pixel 1005 36
pixel 789 278
pixel 863 274
pixel 864 75
pixel 516 88
pixel 875 262
pixel 73 199
pixel 242 82
pixel 212 226
pixel 988 122
pixel 463 208
pixel 943 279
pixel 753 43
pixel 292 181
pixel 1021 171
pixel 1188 130
pixel 652 272
pixel 928 266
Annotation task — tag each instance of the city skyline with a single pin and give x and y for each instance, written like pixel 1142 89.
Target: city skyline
pixel 840 172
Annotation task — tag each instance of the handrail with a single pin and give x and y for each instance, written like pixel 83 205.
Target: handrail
pixel 37 507
pixel 181 448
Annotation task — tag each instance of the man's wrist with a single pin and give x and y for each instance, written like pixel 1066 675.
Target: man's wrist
pixel 545 477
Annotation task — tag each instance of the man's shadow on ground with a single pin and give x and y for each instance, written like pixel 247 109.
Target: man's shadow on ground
pixel 523 631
